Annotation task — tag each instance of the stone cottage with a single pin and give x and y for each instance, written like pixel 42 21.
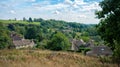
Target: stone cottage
pixel 90 43
pixel 95 50
pixel 76 44
pixel 20 42
pixel 101 50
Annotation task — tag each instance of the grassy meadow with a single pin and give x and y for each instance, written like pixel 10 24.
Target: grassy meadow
pixel 46 58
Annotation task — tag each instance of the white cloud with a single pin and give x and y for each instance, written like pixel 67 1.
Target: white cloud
pixel 12 12
pixel 54 7
pixel 69 2
pixel 77 10
pixel 37 6
pixel 82 16
pixel 32 0
pixel 56 12
pixel 92 6
pixel 2 5
pixel 80 2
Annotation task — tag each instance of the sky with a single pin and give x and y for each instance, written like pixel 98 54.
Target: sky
pixel 80 11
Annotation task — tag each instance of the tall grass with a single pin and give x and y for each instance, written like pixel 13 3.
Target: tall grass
pixel 45 58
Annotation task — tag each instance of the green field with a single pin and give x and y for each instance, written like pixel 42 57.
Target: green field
pixel 18 21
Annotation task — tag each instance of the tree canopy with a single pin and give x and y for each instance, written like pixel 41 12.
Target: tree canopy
pixel 59 42
pixel 5 40
pixel 109 26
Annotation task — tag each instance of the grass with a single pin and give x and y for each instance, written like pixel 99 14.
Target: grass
pixel 46 58
pixel 19 21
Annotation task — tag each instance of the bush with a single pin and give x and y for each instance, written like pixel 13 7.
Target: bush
pixel 83 49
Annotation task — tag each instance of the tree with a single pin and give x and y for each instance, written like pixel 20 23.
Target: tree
pixel 38 20
pixel 24 19
pixel 110 21
pixel 109 26
pixel 39 36
pixel 5 40
pixel 15 19
pixel 59 42
pixel 30 19
pixel 11 27
pixel 31 33
pixel 116 55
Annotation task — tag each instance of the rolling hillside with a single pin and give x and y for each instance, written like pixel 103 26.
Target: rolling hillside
pixel 45 58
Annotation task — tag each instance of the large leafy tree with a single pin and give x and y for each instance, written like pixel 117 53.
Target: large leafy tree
pixel 5 40
pixel 59 42
pixel 31 33
pixel 30 19
pixel 109 26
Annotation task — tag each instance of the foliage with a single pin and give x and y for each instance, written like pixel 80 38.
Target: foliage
pixel 24 19
pixel 116 55
pixel 59 42
pixel 110 21
pixel 85 38
pixel 31 33
pixel 30 19
pixel 83 49
pixel 42 44
pixel 109 26
pixel 11 27
pixel 41 29
pixel 5 40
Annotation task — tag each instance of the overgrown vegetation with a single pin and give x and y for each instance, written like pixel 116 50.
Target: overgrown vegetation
pixel 43 32
pixel 59 42
pixel 5 40
pixel 45 58
pixel 109 26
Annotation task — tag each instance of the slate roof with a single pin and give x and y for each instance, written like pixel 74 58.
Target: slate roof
pixel 99 50
pixel 15 36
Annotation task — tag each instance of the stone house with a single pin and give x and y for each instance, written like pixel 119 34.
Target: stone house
pixel 95 50
pixel 20 42
pixel 90 44
pixel 101 50
pixel 76 44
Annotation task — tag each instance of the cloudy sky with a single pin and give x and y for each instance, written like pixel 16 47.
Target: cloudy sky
pixel 81 11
